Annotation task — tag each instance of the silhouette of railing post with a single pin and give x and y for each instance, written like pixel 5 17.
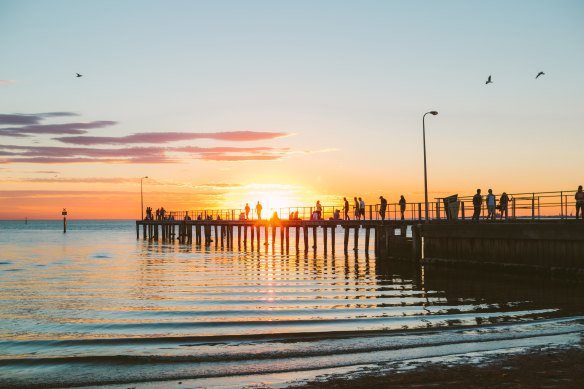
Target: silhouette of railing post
pixel 420 211
pixel 533 207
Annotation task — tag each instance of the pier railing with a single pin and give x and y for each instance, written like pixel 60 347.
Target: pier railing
pixel 528 205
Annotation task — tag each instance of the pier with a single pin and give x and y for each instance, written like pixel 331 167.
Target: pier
pixel 302 234
pixel 539 232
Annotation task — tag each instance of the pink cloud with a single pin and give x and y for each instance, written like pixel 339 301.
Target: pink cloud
pixel 165 137
pixel 7 82
pixel 68 128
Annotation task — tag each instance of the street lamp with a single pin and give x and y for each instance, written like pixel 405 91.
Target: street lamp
pixel 425 174
pixel 142 197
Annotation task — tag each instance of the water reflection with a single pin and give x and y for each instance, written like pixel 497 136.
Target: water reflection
pixel 59 294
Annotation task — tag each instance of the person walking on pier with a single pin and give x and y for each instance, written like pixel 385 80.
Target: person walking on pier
pixel 503 205
pixel 361 208
pixel 356 208
pixel 318 210
pixel 579 202
pixel 346 209
pixel 402 206
pixel 259 210
pixel 382 207
pixel 490 205
pixel 477 202
pixel 247 209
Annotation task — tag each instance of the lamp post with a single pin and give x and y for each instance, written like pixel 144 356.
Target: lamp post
pixel 425 173
pixel 142 197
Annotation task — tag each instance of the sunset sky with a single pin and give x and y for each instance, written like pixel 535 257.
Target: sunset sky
pixel 221 103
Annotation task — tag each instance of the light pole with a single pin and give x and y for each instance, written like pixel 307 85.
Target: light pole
pixel 142 197
pixel 425 174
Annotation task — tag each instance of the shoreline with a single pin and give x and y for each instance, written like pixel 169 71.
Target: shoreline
pixel 550 367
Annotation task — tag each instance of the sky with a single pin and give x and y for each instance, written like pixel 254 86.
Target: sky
pixel 222 102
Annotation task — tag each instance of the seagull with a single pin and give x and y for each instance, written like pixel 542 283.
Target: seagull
pixel 539 74
pixel 79 75
pixel 489 80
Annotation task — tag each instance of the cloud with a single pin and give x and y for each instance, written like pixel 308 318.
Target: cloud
pixel 28 119
pixel 7 82
pixel 165 137
pixel 75 180
pixel 52 155
pixel 68 128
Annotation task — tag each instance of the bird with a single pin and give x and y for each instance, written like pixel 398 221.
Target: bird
pixel 539 74
pixel 79 75
pixel 489 80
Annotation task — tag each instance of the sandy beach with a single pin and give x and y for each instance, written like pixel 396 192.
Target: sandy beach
pixel 533 368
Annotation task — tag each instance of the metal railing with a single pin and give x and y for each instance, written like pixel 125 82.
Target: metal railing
pixel 532 205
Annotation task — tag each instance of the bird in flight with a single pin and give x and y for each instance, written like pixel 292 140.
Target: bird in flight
pixel 539 74
pixel 79 75
pixel 489 80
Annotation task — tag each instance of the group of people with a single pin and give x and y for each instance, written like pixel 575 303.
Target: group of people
pixel 160 214
pixel 491 202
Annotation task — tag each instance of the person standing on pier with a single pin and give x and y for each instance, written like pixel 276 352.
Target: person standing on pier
pixel 361 208
pixel 382 207
pixel 503 205
pixel 259 210
pixel 402 206
pixel 318 210
pixel 477 202
pixel 579 202
pixel 356 208
pixel 346 209
pixel 187 217
pixel 491 205
pixel 247 209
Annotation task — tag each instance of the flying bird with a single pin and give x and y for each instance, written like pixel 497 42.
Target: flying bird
pixel 79 75
pixel 489 80
pixel 539 74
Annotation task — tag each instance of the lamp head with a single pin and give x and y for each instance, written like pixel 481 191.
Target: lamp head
pixel 434 112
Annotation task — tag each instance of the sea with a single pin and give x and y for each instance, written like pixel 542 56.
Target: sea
pixel 97 307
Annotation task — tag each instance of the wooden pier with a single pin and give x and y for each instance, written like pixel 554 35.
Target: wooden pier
pixel 256 234
pixel 547 244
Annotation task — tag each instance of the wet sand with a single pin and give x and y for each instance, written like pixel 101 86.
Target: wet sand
pixel 533 368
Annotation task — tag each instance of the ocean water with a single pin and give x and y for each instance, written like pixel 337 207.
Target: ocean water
pixel 97 307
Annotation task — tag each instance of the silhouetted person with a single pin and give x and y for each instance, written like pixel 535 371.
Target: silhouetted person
pixel 187 217
pixel 247 209
pixel 356 208
pixel 275 219
pixel 504 205
pixel 336 215
pixel 259 210
pixel 491 203
pixel 477 201
pixel 158 214
pixel 579 202
pixel 296 216
pixel 382 207
pixel 318 210
pixel 361 208
pixel 346 209
pixel 402 206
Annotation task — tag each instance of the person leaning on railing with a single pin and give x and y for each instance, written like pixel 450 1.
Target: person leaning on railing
pixel 579 202
pixel 504 205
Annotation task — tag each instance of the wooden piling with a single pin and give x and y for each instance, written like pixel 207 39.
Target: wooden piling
pixel 356 238
pixel 273 235
pixel 314 237
pixel 297 237
pixel 324 235
pixel 266 243
pixel 367 232
pixel 333 228
pixel 346 238
pixel 305 230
